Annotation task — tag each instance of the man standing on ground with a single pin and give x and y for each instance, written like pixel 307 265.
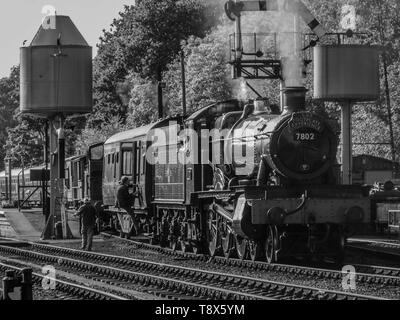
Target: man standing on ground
pixel 88 216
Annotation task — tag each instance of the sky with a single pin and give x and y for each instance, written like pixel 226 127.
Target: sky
pixel 20 20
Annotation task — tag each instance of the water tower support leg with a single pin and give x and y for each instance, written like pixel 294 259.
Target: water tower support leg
pixel 347 147
pixel 56 190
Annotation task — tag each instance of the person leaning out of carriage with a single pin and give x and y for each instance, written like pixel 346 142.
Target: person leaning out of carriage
pixel 88 216
pixel 125 199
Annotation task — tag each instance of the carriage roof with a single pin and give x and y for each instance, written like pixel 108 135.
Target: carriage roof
pixel 129 135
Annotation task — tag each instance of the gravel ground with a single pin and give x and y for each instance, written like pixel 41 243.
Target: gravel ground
pixel 125 249
pixel 359 257
pixel 36 218
pixel 79 278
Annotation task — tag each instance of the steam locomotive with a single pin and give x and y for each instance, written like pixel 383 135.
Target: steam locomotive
pixel 232 180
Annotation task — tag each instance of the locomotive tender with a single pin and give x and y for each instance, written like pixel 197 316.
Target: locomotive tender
pixel 264 188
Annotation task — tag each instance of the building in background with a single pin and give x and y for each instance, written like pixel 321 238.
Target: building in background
pixel 369 170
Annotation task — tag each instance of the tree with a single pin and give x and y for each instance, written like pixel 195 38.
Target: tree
pixel 206 71
pixel 143 103
pixel 143 40
pixel 91 136
pixel 25 141
pixel 9 102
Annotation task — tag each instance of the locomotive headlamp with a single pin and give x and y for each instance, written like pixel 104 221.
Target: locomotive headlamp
pixel 276 215
pixel 354 214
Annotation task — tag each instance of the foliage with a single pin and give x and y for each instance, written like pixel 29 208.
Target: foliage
pixel 144 43
pixel 143 40
pixel 25 141
pixel 206 73
pixel 143 105
pixel 90 136
pixel 9 102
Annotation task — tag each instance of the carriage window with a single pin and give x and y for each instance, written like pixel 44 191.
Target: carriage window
pixel 127 163
pixel 109 159
pixel 138 150
pixel 143 158
pixel 114 170
pixel 143 164
pixel 79 171
pixel 67 184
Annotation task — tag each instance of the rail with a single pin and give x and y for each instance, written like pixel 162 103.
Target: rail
pixel 210 284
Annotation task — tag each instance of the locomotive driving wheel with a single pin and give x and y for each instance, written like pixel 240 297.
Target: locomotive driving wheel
pixel 196 249
pixel 214 238
pixel 242 247
pixel 270 244
pixel 175 245
pixel 255 250
pixel 228 244
pixel 185 246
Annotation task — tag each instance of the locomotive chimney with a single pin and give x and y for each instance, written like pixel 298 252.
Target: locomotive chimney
pixel 294 99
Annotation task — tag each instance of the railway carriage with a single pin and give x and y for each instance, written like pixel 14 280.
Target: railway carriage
pixel 125 155
pixel 83 177
pixel 19 179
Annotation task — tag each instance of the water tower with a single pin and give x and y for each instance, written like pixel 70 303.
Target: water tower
pixel 56 82
pixel 346 73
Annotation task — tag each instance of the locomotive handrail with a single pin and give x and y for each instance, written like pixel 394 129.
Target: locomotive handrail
pixel 304 198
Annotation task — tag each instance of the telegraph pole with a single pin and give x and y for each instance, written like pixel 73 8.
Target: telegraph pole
pixel 161 85
pixel 184 111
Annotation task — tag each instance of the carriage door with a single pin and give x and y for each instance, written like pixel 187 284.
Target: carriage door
pixel 137 163
pixel 137 168
pixel 127 160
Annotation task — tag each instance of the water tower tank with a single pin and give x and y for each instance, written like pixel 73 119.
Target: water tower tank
pixel 346 72
pixel 56 71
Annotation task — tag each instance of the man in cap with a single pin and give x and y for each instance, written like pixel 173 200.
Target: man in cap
pixel 126 200
pixel 88 215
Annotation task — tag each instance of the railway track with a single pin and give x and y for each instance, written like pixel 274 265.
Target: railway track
pixel 378 270
pixel 388 250
pixel 364 273
pixel 174 281
pixel 64 290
